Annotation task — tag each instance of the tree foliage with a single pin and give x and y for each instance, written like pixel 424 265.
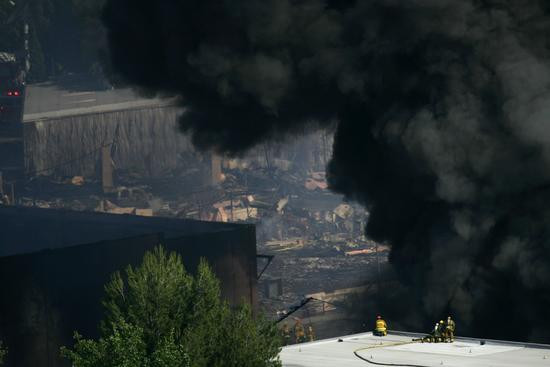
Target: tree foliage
pixel 124 346
pixel 64 35
pixel 158 315
pixel 3 353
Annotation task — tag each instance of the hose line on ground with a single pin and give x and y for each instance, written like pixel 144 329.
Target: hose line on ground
pixel 356 352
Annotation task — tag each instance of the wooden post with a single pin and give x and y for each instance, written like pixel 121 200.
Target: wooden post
pixel 325 162
pixel 267 162
pixel 216 169
pixel 12 201
pixel 107 169
pixel 247 194
pixel 231 198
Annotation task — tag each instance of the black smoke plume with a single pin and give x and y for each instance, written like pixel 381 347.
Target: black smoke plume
pixel 443 133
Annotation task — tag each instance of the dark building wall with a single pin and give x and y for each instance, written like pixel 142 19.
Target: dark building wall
pixel 232 255
pixel 33 229
pixel 11 150
pixel 48 294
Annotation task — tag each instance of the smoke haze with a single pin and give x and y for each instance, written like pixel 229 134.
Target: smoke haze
pixel 443 110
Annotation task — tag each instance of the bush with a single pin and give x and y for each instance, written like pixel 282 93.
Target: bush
pixel 3 353
pixel 160 316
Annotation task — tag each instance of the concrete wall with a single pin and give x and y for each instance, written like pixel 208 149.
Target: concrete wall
pixel 147 141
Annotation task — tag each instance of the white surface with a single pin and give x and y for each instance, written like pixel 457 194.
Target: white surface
pixel 399 350
pixel 49 101
pixel 464 349
pixel 95 109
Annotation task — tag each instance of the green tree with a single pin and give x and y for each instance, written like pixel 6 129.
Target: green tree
pixel 158 315
pixel 65 35
pixel 9 33
pixel 3 353
pixel 93 37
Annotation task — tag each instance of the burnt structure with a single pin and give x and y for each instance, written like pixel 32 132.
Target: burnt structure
pixel 54 264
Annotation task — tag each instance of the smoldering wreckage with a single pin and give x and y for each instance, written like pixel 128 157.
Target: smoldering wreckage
pixel 310 240
pixel 441 133
pixel 442 127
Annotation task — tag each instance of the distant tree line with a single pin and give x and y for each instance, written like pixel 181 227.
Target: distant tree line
pixel 65 36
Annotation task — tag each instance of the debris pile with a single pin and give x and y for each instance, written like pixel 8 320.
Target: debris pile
pixel 315 235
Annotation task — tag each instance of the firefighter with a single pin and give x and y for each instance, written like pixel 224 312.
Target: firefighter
pixel 381 328
pixel 286 334
pixel 450 330
pixel 434 335
pixel 299 332
pixel 440 331
pixel 310 333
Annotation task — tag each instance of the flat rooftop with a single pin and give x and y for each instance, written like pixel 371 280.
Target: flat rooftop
pixel 398 349
pixel 51 100
pixel 29 229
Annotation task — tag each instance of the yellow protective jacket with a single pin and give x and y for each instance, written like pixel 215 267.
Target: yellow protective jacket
pixel 299 331
pixel 451 325
pixel 381 325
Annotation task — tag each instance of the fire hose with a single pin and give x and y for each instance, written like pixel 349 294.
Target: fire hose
pixel 356 352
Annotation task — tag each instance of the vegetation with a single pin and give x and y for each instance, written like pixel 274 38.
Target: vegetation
pixel 158 315
pixel 64 35
pixel 3 353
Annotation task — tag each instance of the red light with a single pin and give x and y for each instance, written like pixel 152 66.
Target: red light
pixel 16 93
pixel 10 93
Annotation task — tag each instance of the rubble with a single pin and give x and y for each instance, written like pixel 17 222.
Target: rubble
pixel 316 180
pixel 316 236
pixel 281 204
pixel 368 251
pixel 344 211
pixel 106 206
pixel 330 300
pixel 77 180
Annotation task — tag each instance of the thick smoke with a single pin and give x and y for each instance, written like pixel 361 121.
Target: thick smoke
pixel 443 110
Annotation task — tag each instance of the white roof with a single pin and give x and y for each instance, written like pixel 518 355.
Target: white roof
pixel 397 349
pixel 50 101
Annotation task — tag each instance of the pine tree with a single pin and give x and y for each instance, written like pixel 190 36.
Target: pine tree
pixel 3 353
pixel 158 315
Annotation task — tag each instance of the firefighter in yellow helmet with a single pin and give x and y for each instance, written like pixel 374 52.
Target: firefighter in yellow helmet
pixel 286 334
pixel 381 328
pixel 450 328
pixel 310 333
pixel 299 332
pixel 440 331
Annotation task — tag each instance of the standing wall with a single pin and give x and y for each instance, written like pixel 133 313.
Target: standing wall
pixel 146 140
